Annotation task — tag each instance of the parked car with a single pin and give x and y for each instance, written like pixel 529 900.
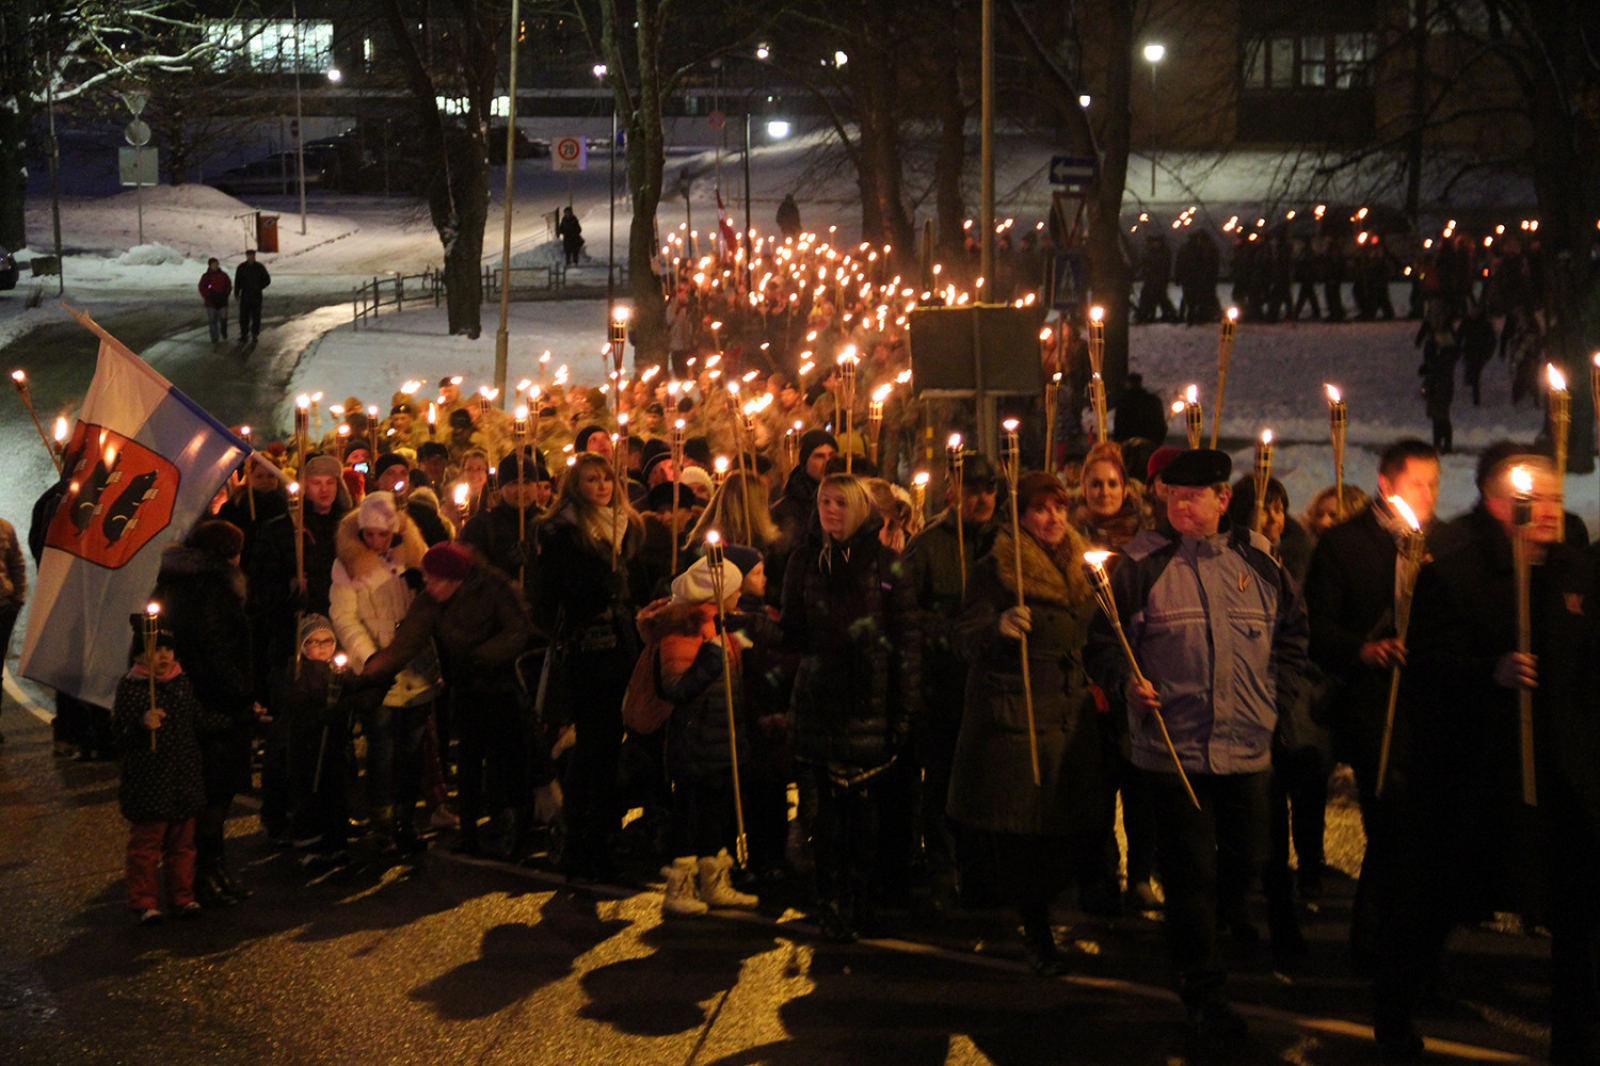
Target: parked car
pixel 8 269
pixel 331 163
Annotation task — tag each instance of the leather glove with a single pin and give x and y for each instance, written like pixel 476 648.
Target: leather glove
pixel 1016 623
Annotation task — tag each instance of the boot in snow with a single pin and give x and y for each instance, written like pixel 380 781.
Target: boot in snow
pixel 681 899
pixel 715 887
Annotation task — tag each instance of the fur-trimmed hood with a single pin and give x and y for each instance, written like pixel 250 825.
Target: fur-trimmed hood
pixel 663 618
pixel 1057 579
pixel 364 565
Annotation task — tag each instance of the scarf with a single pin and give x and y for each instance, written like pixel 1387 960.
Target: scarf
pixel 141 671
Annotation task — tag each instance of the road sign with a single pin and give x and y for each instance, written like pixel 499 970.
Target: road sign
pixel 1072 170
pixel 569 153
pixel 137 133
pixel 139 166
pixel 716 120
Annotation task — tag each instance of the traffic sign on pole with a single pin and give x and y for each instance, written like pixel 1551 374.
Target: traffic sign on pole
pixel 1072 170
pixel 569 153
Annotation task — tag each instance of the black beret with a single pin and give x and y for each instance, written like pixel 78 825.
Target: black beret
pixel 1198 467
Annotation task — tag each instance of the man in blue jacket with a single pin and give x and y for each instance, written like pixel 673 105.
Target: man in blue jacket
pixel 1220 634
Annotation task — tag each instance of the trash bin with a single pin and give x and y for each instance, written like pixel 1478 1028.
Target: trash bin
pixel 266 232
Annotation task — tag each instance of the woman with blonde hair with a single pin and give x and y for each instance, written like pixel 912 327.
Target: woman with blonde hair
pixel 901 520
pixel 585 546
pixel 726 513
pixel 849 612
pixel 1323 512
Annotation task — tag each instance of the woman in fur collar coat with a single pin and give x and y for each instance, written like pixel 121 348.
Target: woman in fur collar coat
pixel 377 544
pixel 1034 827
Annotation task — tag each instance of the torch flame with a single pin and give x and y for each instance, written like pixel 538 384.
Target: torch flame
pixel 1192 394
pixel 713 538
pixel 18 376
pixel 1404 510
pixel 302 401
pixel 955 442
pixel 1233 314
pixel 1522 480
pixel 1097 313
pixel 1177 407
pixel 1333 394
pixel 461 494
pixel 1011 425
pixel 152 608
pixel 1558 380
pixel 1266 436
pixel 721 464
pixel 340 660
pixel 1045 334
pixel 61 430
pixel 881 393
pixel 921 478
pixel 1096 559
pixel 521 411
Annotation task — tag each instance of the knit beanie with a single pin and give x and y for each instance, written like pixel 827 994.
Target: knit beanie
pixel 386 461
pixel 813 439
pixel 312 623
pixel 694 585
pixel 377 511
pixel 743 556
pixel 447 561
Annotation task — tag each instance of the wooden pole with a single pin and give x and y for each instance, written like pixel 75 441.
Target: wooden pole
pixel 714 560
pixel 1013 456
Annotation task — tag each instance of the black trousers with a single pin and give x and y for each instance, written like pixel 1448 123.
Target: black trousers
pixel 489 745
pixel 1208 854
pixel 249 318
pixel 598 681
pixel 844 841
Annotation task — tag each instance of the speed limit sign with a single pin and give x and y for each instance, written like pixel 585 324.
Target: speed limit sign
pixel 569 153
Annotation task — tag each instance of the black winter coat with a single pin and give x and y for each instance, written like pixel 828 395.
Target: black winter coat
pixel 479 631
pixel 577 583
pixel 202 602
pixel 991 780
pixel 494 533
pixel 933 557
pixel 164 784
pixel 1467 754
pixel 850 614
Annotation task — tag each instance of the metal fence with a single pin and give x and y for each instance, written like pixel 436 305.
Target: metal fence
pixel 396 291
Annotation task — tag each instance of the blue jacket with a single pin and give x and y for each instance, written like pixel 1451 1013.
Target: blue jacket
pixel 1219 628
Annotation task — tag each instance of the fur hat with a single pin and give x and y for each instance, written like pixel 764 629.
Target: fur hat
pixel 448 561
pixel 694 585
pixel 323 465
pixel 697 481
pixel 377 511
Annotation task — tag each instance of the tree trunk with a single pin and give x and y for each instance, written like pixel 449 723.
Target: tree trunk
pixel 13 179
pixel 1110 273
pixel 948 167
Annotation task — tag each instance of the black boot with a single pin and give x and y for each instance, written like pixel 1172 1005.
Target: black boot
pixel 1039 947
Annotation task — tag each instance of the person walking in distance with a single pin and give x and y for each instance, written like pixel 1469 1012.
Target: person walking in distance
pixel 250 280
pixel 570 230
pixel 214 290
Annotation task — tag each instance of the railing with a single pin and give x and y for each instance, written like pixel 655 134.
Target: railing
pixel 525 282
pixel 395 291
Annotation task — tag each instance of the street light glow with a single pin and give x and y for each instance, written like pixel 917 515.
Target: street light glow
pixel 777 129
pixel 1155 53
pixel 601 70
pixel 335 74
pixel 762 51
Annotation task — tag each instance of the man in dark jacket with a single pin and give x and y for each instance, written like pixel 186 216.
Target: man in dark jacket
pixel 1503 812
pixel 250 280
pixel 503 534
pixel 1349 592
pixel 275 590
pixel 1155 267
pixel 936 560
pixel 570 230
pixel 795 512
pixel 1219 632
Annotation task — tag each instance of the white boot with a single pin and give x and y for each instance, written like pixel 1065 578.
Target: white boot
pixel 715 887
pixel 681 899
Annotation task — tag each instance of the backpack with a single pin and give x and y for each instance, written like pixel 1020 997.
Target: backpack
pixel 644 709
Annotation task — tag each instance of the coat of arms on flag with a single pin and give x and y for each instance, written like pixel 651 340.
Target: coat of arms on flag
pixel 141 469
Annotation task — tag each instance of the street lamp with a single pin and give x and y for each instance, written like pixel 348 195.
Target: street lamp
pixel 334 75
pixel 1153 54
pixel 777 128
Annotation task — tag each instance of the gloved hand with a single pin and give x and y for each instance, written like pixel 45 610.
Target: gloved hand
pixel 547 802
pixel 1016 623
pixel 413 579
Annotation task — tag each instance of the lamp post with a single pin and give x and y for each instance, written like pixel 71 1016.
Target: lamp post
pixel 502 337
pixel 1153 54
pixel 600 71
pixel 299 118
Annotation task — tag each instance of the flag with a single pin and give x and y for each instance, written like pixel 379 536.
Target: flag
pixel 730 239
pixel 142 467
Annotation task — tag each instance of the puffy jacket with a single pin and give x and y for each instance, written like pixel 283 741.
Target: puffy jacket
pixel 690 675
pixel 215 288
pixel 164 783
pixel 1220 630
pixel 369 600
pixel 850 614
pixel 480 630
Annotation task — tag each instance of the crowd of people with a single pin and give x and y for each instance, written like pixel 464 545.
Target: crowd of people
pixel 712 582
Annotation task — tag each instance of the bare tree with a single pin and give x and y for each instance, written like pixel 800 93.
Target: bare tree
pixel 67 50
pixel 454 53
